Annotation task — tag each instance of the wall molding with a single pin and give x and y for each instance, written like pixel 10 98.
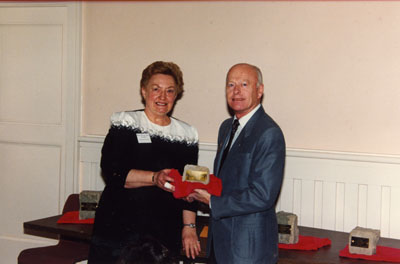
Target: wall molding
pixel 325 189
pixel 346 156
pixel 294 152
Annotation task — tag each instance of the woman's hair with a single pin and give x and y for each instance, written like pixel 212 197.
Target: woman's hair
pixel 146 250
pixel 167 68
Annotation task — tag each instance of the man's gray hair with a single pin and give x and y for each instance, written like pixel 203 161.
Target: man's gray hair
pixel 258 71
pixel 259 76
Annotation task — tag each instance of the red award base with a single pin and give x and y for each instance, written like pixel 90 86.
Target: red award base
pixel 183 189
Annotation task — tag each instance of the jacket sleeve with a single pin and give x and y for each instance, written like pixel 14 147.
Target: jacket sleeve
pixel 264 177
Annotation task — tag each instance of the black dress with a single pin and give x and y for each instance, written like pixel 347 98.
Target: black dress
pixel 124 214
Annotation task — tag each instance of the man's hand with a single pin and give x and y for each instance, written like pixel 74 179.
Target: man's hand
pixel 200 195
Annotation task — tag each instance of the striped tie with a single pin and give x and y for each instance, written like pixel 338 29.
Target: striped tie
pixel 235 126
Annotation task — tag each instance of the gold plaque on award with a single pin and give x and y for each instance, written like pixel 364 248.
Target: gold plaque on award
pixel 194 173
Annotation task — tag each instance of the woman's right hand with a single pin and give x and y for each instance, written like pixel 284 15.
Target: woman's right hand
pixel 163 181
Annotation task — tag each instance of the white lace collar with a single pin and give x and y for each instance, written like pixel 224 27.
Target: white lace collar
pixel 175 131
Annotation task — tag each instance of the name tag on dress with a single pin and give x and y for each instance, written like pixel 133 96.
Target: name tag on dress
pixel 143 138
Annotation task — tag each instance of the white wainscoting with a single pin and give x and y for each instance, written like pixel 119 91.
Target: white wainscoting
pixel 329 190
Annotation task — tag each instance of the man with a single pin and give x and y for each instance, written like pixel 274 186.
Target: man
pixel 243 226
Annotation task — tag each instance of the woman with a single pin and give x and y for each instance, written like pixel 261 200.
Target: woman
pixel 139 150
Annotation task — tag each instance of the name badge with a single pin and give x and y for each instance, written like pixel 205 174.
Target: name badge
pixel 143 138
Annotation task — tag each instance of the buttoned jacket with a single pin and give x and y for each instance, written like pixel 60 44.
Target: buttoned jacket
pixel 243 225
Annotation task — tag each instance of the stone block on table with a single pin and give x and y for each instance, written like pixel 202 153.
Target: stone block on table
pixel 363 241
pixel 288 230
pixel 88 202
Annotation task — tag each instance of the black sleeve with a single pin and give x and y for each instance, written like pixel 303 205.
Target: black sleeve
pixel 113 154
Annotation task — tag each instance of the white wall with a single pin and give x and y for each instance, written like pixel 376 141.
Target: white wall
pixel 329 190
pixel 331 76
pixel 330 67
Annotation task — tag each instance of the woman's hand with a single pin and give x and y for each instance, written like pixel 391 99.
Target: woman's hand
pixel 163 181
pixel 190 242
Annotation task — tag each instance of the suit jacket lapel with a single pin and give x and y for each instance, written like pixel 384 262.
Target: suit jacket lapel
pixel 250 124
pixel 224 139
pixel 245 133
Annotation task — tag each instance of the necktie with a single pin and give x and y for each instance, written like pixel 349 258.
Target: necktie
pixel 235 126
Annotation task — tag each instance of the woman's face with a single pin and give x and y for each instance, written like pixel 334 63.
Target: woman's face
pixel 159 94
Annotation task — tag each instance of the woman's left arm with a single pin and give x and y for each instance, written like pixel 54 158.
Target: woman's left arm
pixel 190 241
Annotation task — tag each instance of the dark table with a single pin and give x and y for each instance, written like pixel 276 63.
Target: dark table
pixel 48 227
pixel 328 254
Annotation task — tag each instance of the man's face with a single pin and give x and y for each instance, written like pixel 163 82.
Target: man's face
pixel 242 93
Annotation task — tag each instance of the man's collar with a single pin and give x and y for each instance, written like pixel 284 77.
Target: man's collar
pixel 244 119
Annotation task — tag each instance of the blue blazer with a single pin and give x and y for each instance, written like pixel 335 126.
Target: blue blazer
pixel 243 226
